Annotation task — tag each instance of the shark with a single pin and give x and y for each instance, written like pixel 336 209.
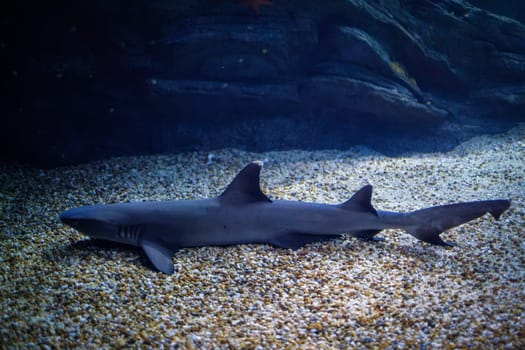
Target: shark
pixel 243 214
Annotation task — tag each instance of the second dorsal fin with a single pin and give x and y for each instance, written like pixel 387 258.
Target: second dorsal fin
pixel 245 186
pixel 360 201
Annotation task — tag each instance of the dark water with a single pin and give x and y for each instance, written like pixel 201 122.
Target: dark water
pixel 94 79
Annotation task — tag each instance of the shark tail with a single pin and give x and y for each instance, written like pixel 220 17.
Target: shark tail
pixel 427 224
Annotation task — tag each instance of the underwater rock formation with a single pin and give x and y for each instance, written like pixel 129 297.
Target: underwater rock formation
pixel 96 79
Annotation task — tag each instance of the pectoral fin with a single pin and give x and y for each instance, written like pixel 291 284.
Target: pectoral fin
pixel 160 256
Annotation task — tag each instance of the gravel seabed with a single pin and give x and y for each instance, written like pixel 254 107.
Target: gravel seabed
pixel 59 289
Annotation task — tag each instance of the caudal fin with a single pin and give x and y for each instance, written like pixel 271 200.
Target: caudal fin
pixel 427 224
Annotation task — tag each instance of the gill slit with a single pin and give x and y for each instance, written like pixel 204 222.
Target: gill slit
pixel 129 232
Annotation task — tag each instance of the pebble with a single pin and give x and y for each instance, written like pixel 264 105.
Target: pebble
pixel 59 290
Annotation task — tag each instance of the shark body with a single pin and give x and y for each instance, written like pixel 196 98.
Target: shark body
pixel 244 214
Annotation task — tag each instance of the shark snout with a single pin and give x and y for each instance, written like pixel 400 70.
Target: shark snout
pixel 77 216
pixel 69 218
pixel 91 220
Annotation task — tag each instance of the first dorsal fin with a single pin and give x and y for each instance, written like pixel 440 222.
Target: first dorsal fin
pixel 245 187
pixel 360 201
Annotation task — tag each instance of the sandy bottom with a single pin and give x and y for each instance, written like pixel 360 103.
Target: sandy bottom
pixel 60 289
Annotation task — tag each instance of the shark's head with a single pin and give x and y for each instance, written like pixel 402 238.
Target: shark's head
pixel 102 222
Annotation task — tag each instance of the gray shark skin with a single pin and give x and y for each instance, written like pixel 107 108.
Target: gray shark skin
pixel 244 214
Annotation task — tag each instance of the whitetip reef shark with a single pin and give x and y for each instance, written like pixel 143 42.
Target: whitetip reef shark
pixel 243 214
